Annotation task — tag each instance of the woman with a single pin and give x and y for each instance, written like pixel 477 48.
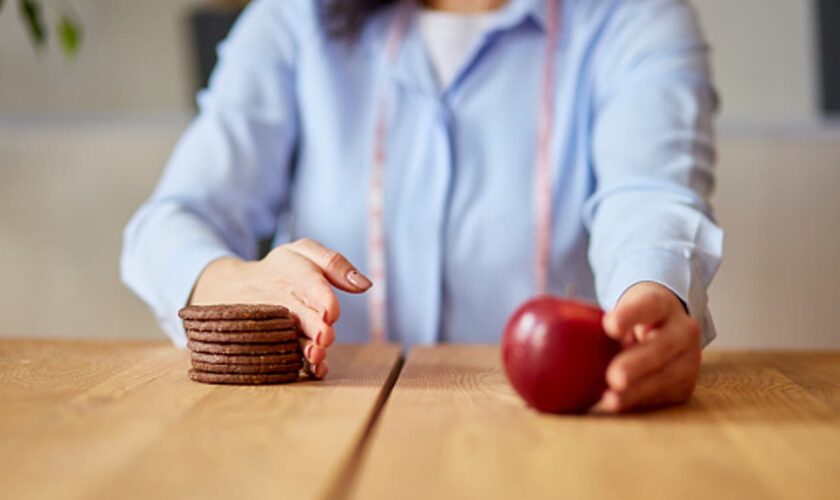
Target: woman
pixel 466 154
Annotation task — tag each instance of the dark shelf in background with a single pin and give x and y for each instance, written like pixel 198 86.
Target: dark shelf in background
pixel 828 20
pixel 208 27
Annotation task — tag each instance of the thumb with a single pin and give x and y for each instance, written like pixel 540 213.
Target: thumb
pixel 638 306
pixel 336 268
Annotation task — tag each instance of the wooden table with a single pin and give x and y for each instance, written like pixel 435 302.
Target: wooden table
pixel 115 420
pixel 120 419
pixel 761 426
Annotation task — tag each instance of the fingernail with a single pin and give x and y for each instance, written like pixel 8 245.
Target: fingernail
pixel 313 369
pixel 308 351
pixel 358 280
pixel 318 339
pixel 323 369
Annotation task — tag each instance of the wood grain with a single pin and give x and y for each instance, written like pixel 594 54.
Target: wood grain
pixel 121 420
pixel 761 425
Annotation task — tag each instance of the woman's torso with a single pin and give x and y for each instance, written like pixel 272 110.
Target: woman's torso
pixel 460 171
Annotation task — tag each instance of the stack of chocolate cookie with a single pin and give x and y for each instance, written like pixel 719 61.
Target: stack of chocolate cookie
pixel 245 344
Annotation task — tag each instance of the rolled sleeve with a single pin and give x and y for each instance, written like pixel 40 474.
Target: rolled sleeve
pixel 653 153
pixel 164 259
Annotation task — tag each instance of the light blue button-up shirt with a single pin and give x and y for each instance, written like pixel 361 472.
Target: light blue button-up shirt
pixel 282 148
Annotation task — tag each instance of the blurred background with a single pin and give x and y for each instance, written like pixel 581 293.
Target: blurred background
pixel 83 140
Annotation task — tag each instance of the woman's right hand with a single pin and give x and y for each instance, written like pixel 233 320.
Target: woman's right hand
pixel 297 275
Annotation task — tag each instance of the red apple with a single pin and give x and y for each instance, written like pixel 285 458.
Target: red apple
pixel 556 353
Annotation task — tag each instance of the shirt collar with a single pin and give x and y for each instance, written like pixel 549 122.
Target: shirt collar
pixel 517 10
pixel 514 12
pixel 411 66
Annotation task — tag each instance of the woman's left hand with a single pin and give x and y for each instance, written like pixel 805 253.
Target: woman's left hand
pixel 660 358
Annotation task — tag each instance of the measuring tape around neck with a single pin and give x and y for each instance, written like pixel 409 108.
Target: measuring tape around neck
pixel 377 304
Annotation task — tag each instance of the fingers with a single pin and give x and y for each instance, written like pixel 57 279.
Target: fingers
pixel 321 369
pixel 316 370
pixel 660 359
pixel 311 322
pixel 319 336
pixel 642 307
pixel 659 348
pixel 314 358
pixel 313 354
pixel 318 295
pixel 336 268
pixel 674 383
pixel 305 280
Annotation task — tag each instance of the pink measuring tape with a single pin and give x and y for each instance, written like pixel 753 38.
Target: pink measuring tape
pixel 377 305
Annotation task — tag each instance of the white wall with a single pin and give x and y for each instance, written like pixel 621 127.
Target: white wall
pixel 134 57
pixel 765 59
pixel 68 188
pixel 778 200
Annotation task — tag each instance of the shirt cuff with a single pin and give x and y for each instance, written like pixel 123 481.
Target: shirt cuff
pixel 187 267
pixel 674 270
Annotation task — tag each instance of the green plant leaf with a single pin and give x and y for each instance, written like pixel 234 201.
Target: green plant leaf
pixel 70 35
pixel 31 11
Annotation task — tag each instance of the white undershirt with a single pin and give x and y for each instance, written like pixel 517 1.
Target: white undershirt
pixel 449 39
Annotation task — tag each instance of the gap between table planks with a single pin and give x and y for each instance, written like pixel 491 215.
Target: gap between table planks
pixel 94 419
pixel 761 425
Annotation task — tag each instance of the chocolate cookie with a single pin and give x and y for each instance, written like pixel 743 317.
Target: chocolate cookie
pixel 241 325
pixel 244 349
pixel 233 311
pixel 244 337
pixel 242 379
pixel 246 369
pixel 266 359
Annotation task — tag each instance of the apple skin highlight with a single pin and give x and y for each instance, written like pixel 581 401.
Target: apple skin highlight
pixel 555 354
